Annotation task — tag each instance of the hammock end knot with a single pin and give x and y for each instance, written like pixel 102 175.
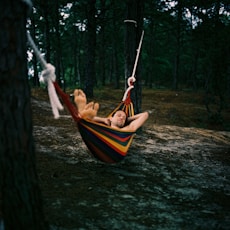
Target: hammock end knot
pixel 48 76
pixel 48 73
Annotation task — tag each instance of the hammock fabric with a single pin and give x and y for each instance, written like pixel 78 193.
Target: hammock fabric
pixel 105 143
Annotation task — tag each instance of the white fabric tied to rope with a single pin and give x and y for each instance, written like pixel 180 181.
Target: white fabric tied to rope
pixel 48 76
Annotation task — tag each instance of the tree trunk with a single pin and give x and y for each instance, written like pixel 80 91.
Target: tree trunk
pixel 46 11
pixel 115 63
pixel 178 46
pixel 58 48
pixel 21 197
pixel 36 81
pixel 133 30
pixel 91 46
pixel 101 44
pixel 76 49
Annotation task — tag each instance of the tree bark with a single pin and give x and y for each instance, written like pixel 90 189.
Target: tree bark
pixel 21 196
pixel 91 47
pixel 35 77
pixel 133 30
pixel 178 47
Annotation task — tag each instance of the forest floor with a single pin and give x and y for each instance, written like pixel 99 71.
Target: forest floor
pixel 175 176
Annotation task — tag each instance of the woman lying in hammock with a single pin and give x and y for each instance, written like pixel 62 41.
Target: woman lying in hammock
pixel 118 120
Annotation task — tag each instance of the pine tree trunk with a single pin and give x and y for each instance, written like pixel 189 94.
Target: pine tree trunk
pixel 91 47
pixel 176 74
pixel 134 25
pixel 21 197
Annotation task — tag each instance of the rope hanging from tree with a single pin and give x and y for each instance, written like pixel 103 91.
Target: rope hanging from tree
pixel 132 79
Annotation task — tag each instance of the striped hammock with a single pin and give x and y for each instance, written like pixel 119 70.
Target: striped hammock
pixel 105 143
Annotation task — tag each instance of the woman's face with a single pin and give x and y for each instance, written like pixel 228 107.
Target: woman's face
pixel 118 119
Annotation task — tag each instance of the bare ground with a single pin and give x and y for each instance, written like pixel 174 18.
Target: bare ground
pixel 175 176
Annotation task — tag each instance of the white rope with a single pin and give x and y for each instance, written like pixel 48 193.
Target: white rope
pixel 48 76
pixel 126 92
pixel 132 78
pixel 36 51
pixel 137 56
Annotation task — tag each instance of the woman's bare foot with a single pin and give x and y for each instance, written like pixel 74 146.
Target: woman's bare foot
pixel 90 110
pixel 80 99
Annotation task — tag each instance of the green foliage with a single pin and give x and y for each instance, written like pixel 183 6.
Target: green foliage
pixel 188 40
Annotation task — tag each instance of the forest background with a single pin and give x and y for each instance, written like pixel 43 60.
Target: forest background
pixel 186 46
